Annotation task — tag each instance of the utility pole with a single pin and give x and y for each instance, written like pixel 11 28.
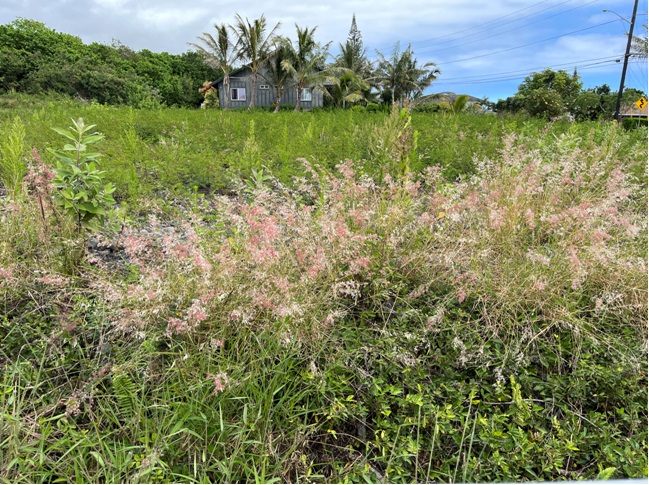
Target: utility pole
pixel 626 63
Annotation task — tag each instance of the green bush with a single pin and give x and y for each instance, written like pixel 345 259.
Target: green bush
pixel 634 123
pixel 375 107
pixel 428 108
pixel 545 103
pixel 35 58
pixel 83 193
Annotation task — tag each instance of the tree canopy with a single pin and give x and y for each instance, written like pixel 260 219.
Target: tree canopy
pixel 35 59
pixel 401 77
pixel 549 94
pixel 219 52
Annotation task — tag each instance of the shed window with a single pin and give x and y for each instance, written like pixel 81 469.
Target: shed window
pixel 238 94
pixel 306 94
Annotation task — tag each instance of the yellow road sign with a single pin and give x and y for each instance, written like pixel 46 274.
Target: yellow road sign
pixel 641 103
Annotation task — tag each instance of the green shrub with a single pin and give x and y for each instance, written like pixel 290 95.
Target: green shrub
pixel 545 103
pixel 211 99
pixel 83 194
pixel 634 123
pixel 428 108
pixel 374 107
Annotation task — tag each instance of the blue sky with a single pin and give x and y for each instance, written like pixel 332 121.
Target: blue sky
pixel 482 48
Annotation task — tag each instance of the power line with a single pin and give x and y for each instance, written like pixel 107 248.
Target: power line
pixel 525 45
pixel 640 75
pixel 510 22
pixel 484 23
pixel 513 78
pixel 531 69
pixel 510 30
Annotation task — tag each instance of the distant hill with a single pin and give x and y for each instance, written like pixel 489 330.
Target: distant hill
pixel 447 96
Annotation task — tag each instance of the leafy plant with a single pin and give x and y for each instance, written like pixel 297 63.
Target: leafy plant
pixel 82 194
pixel 12 163
pixel 394 143
pixel 340 329
pixel 210 95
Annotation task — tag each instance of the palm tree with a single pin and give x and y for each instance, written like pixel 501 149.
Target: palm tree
pixel 276 75
pixel 306 62
pixel 350 58
pixel 349 88
pixel 219 53
pixel 355 82
pixel 254 46
pixel 401 77
pixel 457 105
pixel 357 71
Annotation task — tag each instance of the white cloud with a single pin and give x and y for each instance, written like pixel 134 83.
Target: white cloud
pixel 169 18
pixel 111 5
pixel 167 25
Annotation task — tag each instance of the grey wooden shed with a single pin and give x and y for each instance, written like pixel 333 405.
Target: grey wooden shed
pixel 241 90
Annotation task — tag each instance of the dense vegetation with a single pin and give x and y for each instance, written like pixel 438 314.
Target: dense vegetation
pixel 37 59
pixel 551 94
pixel 319 297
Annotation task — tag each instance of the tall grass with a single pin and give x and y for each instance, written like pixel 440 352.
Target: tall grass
pixel 162 151
pixel 345 326
pixel 12 157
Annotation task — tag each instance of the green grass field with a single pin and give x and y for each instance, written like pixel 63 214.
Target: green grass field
pixel 321 297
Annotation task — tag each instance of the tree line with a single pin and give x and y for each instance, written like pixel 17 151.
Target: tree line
pixel 550 94
pixel 35 59
pixel 350 79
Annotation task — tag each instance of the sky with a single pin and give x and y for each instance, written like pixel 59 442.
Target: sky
pixel 485 49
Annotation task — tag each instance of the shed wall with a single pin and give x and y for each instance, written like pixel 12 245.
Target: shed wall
pixel 265 97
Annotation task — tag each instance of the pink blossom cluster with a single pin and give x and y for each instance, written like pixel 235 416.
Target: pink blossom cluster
pixel 527 231
pixel 221 382
pixel 54 280
pixel 6 273
pixel 38 180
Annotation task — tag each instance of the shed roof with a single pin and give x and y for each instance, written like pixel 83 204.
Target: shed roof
pixel 233 73
pixel 633 110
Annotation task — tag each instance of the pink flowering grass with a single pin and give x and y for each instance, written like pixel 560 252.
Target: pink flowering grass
pixel 581 239
pixel 545 234
pixel 541 235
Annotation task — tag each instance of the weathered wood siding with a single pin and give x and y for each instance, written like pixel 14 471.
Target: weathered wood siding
pixel 236 82
pixel 265 97
pixel 290 97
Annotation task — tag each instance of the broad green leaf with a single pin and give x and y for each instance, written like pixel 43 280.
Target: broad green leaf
pixel 98 457
pixel 94 138
pixel 67 193
pixel 65 133
pixel 91 208
pixel 606 473
pixel 86 127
